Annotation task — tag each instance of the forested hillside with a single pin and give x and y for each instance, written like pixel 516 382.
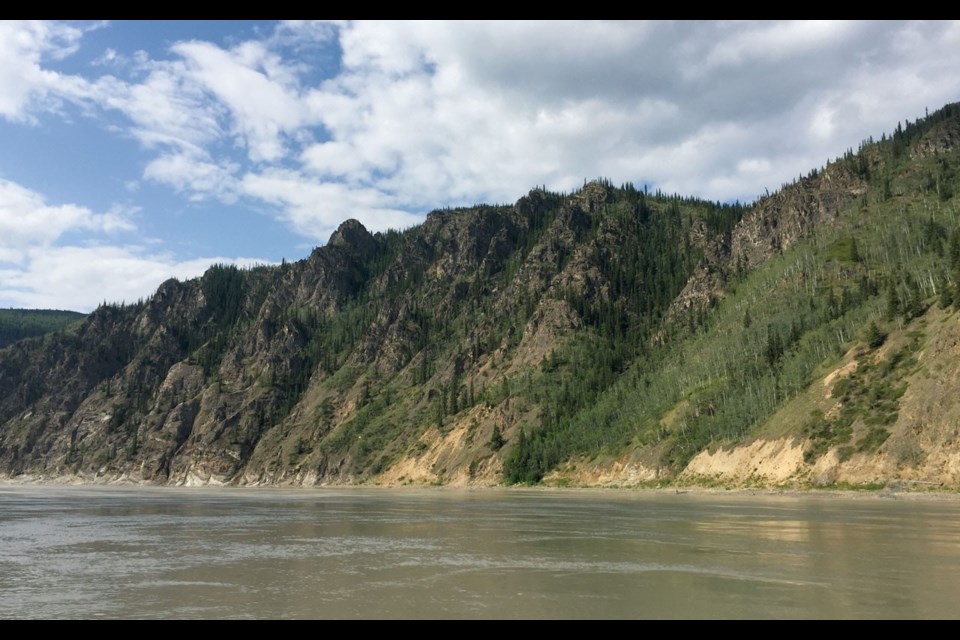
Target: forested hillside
pixel 607 336
pixel 16 324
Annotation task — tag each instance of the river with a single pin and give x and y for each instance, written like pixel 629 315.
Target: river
pixel 136 552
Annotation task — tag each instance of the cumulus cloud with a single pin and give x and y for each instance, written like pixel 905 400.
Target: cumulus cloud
pixel 25 85
pixel 197 177
pixel 257 87
pixel 27 221
pixel 315 209
pixel 58 256
pixel 436 113
pixel 771 42
pixel 472 111
pixel 165 109
pixel 79 278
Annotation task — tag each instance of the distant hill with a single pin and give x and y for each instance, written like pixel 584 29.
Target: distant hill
pixel 608 336
pixel 16 324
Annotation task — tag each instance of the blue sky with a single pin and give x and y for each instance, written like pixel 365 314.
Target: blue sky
pixel 135 151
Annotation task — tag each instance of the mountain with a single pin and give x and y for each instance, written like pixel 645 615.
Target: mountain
pixel 608 336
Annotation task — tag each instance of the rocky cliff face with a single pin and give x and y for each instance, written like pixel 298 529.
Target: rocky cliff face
pixel 439 354
pixel 248 376
pixel 779 221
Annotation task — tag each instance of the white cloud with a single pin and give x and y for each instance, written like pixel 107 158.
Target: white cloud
pixel 769 42
pixel 166 109
pixel 37 270
pixel 304 34
pixel 255 85
pixel 108 58
pixel 197 177
pixel 79 278
pixel 429 114
pixel 438 113
pixel 315 209
pixel 165 105
pixel 27 221
pixel 24 83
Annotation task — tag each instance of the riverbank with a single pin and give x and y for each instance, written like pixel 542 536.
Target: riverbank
pixel 895 490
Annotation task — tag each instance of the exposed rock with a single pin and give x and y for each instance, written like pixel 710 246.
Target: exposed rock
pixel 943 137
pixel 768 462
pixel 778 221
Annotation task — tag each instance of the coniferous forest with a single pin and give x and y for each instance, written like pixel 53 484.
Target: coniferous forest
pixel 16 324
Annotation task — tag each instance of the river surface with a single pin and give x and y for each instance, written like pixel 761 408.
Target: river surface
pixel 122 552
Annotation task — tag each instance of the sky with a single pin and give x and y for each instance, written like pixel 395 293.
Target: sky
pixel 136 151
